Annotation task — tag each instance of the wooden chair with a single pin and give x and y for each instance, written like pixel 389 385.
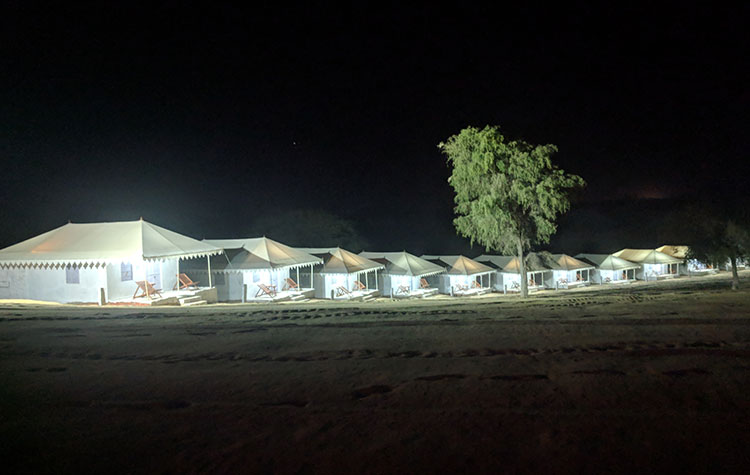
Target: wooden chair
pixel 423 284
pixel 147 289
pixel 269 290
pixel 342 291
pixel 184 282
pixel 403 290
pixel 358 285
pixel 290 284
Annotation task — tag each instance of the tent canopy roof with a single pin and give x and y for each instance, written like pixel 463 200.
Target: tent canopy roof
pixel 680 252
pixel 403 263
pixel 509 264
pixel 263 253
pixel 646 256
pixel 459 265
pixel 341 261
pixel 565 262
pixel 607 261
pixel 101 243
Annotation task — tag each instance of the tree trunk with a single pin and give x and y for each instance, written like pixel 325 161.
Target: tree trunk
pixel 735 277
pixel 522 270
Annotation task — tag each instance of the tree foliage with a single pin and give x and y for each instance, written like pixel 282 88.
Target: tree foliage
pixel 508 192
pixel 718 234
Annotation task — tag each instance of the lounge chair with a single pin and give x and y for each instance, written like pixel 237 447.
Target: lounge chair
pixel 423 284
pixel 342 291
pixel 358 285
pixel 461 287
pixel 290 284
pixel 184 282
pixel 403 290
pixel 269 290
pixel 147 289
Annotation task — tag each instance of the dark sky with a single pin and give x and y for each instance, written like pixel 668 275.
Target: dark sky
pixel 208 120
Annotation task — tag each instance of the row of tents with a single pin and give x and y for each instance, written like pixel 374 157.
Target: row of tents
pixel 137 261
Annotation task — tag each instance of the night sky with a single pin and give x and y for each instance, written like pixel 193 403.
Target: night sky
pixel 215 122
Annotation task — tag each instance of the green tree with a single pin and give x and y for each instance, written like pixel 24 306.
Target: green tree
pixel 508 192
pixel 718 234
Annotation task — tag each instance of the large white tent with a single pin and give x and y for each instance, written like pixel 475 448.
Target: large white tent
pixel 95 262
pixel 402 270
pixel 462 275
pixel 610 269
pixel 654 264
pixel 250 262
pixel 568 271
pixel 508 272
pixel 341 269
pixel 692 266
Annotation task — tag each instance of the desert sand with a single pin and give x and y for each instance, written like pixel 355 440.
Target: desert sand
pixel 647 378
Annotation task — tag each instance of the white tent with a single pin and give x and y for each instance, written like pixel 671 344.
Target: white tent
pixel 508 272
pixel 403 271
pixel 692 266
pixel 610 269
pixel 654 264
pixel 95 262
pixel 568 271
pixel 463 276
pixel 253 261
pixel 341 270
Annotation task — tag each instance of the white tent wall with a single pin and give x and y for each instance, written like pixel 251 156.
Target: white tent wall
pixel 507 281
pixel 162 274
pixel 326 284
pixel 252 278
pixel 13 283
pixel 50 284
pixel 569 277
pixel 389 284
pixel 448 282
pixel 654 271
pixel 604 276
pixel 228 285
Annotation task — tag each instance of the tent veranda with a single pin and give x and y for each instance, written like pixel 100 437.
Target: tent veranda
pixel 403 270
pixel 96 262
pixel 251 262
pixel 341 269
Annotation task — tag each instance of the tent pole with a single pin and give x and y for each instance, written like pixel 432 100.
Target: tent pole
pixel 367 283
pixel 297 275
pixel 208 260
pixel 178 274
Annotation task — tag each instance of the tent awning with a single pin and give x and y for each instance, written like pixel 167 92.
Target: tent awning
pixel 91 244
pixel 341 261
pixel 403 263
pixel 263 254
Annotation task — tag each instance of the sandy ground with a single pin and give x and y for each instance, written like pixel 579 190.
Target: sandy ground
pixel 646 378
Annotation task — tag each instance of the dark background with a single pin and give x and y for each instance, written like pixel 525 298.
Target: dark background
pixel 319 123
